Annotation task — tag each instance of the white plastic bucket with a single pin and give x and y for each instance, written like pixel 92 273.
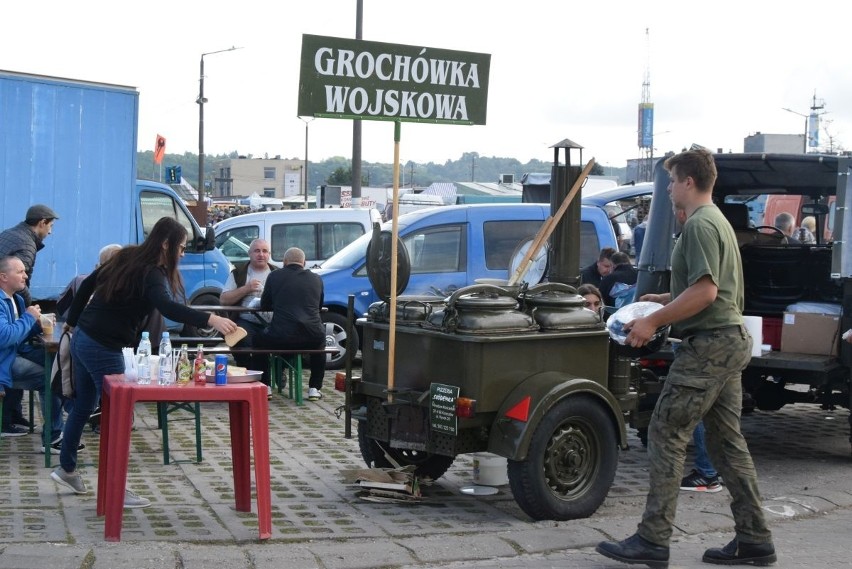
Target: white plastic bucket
pixel 754 326
pixel 489 469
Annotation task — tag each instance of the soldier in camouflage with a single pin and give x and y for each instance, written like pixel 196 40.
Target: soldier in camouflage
pixel 705 308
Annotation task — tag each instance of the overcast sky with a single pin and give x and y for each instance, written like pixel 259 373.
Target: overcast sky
pixel 719 70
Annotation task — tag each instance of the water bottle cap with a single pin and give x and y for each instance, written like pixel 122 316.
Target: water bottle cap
pixel 145 333
pixel 165 334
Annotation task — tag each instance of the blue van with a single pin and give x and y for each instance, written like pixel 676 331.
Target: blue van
pixel 449 248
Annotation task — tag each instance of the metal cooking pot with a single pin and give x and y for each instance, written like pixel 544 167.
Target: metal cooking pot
pixel 410 309
pixel 482 309
pixel 556 306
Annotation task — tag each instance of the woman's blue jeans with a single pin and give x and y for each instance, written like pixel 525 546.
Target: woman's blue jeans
pixel 702 459
pixel 91 362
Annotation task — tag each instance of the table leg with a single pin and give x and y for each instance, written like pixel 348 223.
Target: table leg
pixel 240 454
pixel 120 423
pixel 259 408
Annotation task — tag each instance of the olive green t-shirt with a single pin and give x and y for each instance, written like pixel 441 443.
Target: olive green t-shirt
pixel 708 246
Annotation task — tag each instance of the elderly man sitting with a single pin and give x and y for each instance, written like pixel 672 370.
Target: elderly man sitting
pixel 21 364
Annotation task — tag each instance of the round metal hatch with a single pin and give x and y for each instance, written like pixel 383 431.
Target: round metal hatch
pixel 379 264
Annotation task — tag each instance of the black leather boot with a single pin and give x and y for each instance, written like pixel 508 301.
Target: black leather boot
pixel 636 549
pixel 736 553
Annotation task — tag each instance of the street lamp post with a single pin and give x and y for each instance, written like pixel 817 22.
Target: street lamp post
pixel 201 207
pixel 805 145
pixel 306 121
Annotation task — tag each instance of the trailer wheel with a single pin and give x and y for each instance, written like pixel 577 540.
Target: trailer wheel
pixel 428 465
pixel 571 462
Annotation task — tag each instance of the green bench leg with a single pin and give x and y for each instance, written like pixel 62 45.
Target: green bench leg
pixel 163 410
pixel 294 374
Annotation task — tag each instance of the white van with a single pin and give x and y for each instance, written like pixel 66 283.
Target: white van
pixel 409 202
pixel 320 233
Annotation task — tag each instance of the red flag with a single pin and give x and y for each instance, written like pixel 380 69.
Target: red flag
pixel 159 149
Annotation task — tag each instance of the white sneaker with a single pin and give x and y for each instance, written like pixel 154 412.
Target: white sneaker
pixel 71 480
pixel 314 394
pixel 132 500
pixel 269 392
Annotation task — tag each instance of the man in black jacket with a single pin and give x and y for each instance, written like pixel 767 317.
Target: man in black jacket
pixel 599 269
pixel 622 272
pixel 295 297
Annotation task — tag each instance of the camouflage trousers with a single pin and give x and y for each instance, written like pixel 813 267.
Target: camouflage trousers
pixel 704 381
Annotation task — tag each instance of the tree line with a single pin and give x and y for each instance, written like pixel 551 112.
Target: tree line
pixel 337 170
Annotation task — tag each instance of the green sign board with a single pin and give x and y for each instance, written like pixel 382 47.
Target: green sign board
pixel 356 79
pixel 442 405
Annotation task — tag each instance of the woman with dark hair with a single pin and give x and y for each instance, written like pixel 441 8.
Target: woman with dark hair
pixel 593 296
pixel 109 312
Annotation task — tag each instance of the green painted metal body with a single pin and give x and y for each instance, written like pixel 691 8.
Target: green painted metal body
pixel 497 370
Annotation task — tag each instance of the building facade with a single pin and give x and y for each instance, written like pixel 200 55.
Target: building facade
pixel 267 177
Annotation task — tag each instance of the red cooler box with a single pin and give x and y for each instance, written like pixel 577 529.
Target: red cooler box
pixel 772 331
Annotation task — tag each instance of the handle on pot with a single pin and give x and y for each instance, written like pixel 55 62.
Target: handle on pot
pixel 473 289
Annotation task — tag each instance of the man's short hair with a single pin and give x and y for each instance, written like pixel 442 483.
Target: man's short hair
pixel 294 255
pixel 620 259
pixel 606 253
pixel 785 221
pixel 697 164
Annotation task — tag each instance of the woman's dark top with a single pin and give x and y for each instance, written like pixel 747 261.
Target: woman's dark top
pixel 118 324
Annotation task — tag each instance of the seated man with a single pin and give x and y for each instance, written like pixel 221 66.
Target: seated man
pixel 21 365
pixel 599 269
pixel 244 287
pixel 786 224
pixel 623 272
pixel 295 296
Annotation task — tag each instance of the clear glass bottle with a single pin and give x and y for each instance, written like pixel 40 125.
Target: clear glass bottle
pixel 184 366
pixel 199 366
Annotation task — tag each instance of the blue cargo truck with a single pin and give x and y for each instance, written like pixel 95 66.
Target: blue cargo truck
pixel 72 145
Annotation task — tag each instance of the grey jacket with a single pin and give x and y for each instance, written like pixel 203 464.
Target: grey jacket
pixel 22 242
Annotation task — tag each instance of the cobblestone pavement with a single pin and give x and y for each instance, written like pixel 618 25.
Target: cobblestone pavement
pixel 802 455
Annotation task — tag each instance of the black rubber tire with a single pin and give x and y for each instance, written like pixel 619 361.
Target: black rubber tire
pixel 571 462
pixel 335 337
pixel 207 331
pixel 427 465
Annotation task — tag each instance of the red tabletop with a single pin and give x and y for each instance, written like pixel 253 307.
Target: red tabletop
pixel 249 420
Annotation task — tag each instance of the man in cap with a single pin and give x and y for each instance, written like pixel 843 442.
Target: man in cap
pixel 23 241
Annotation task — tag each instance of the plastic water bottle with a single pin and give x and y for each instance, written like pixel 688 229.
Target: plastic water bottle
pixel 166 373
pixel 143 362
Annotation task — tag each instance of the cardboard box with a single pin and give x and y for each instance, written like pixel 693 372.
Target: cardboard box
pixel 806 333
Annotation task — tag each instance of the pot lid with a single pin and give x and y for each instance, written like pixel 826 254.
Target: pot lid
pixel 486 300
pixel 556 299
pixel 379 264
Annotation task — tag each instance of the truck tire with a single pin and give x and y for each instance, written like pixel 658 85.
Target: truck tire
pixel 427 465
pixel 571 462
pixel 335 337
pixel 207 331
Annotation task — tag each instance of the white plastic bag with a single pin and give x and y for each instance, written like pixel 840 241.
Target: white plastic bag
pixel 615 323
